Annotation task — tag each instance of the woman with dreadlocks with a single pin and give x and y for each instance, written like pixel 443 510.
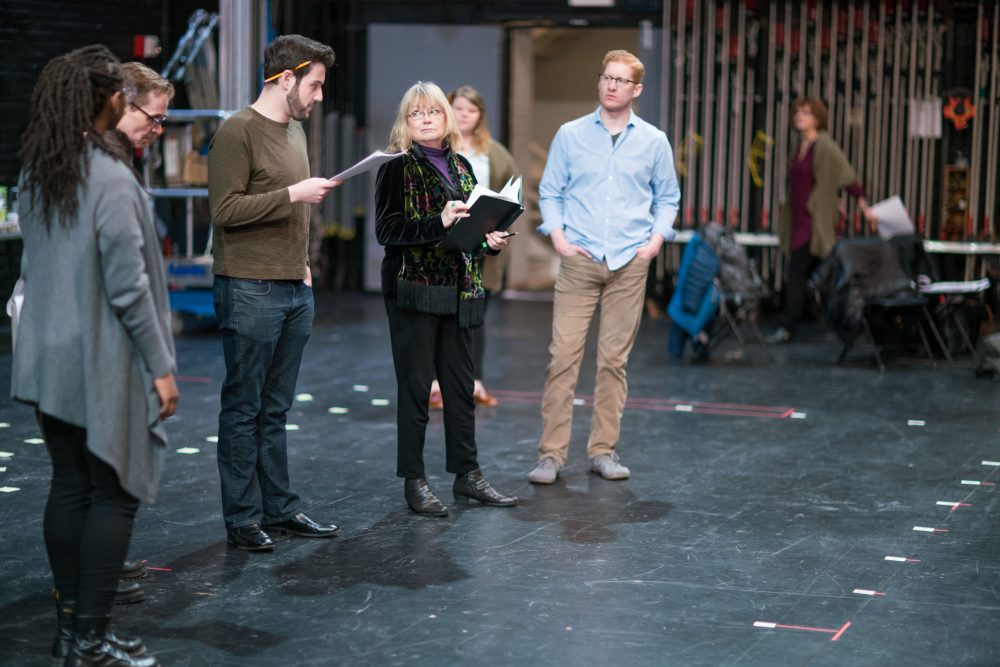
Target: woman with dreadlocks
pixel 94 354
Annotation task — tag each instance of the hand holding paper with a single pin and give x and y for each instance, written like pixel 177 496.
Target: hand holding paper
pixel 893 220
pixel 371 162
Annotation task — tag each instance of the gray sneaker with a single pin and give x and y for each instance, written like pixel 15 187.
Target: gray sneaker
pixel 607 466
pixel 545 472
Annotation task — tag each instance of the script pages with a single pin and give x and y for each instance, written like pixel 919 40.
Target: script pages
pixel 488 211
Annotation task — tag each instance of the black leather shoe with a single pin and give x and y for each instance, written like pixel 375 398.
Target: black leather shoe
pixel 129 592
pixel 473 486
pixel 250 538
pixel 63 643
pixel 421 499
pixel 92 648
pixel 133 569
pixel 303 526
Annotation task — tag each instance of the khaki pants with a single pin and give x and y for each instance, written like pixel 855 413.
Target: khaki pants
pixel 582 285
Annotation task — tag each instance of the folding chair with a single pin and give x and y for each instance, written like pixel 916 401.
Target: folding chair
pixel 741 290
pixel 863 285
pixel 740 309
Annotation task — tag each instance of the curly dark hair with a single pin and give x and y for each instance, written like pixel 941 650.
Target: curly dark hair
pixel 71 91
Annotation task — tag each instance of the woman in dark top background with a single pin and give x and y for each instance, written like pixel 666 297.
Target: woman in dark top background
pixel 817 171
pixel 433 295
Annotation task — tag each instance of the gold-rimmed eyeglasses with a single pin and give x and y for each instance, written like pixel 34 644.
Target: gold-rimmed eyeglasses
pixel 418 114
pixel 618 81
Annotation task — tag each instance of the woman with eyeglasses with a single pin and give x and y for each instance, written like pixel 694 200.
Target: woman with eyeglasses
pixel 433 295
pixel 94 353
pixel 817 171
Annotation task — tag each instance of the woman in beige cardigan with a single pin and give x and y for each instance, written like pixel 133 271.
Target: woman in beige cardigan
pixel 493 166
pixel 817 171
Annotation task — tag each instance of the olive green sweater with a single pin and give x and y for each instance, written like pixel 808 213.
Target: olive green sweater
pixel 833 172
pixel 258 232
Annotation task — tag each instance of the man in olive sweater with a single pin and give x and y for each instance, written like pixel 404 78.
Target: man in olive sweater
pixel 259 190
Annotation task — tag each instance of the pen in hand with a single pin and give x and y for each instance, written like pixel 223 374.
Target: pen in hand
pixel 505 236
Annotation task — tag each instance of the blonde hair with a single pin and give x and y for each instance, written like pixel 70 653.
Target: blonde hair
pixel 146 81
pixel 428 94
pixel 623 56
pixel 481 132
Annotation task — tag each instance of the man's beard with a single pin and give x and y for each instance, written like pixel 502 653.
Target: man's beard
pixel 296 109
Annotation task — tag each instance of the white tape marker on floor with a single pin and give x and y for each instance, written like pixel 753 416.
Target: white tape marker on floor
pixel 4 425
pixel 212 438
pixel 763 624
pixel 900 559
pixel 304 398
pixel 8 489
pixel 579 401
pixel 985 463
pixel 923 529
pixel 916 422
pixel 338 411
pixel 360 387
pixel 684 408
pixel 188 450
pixel 39 441
pixel 380 401
pixel 292 427
pixel 6 455
pixel 798 415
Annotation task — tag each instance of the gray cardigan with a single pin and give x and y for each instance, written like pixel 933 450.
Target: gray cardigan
pixel 95 328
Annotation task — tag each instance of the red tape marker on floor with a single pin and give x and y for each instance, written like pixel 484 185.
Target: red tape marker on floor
pixel 837 633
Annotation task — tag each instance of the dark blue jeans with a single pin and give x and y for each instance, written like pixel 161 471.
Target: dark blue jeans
pixel 265 325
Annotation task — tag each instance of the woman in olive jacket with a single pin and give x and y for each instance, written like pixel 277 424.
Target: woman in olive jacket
pixel 817 172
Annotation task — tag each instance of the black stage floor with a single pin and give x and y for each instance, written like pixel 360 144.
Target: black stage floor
pixel 791 513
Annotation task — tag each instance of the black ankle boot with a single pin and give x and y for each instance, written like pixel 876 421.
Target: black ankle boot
pixel 94 646
pixel 472 485
pixel 421 499
pixel 63 642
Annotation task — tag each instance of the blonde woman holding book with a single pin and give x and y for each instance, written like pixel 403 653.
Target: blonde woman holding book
pixel 493 166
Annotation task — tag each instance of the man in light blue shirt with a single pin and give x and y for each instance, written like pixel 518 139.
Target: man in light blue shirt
pixel 609 198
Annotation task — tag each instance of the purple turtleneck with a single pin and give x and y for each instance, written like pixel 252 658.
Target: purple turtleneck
pixel 439 158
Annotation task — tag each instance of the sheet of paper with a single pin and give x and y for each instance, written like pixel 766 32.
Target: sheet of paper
pixel 510 192
pixel 961 287
pixel 373 161
pixel 893 220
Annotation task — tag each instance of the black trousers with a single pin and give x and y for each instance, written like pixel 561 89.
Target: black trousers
pixel 88 520
pixel 425 346
pixel 800 266
pixel 479 343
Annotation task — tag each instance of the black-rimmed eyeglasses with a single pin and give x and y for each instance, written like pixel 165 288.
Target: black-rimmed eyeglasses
pixel 157 121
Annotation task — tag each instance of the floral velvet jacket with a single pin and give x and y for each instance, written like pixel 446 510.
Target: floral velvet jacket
pixel 419 274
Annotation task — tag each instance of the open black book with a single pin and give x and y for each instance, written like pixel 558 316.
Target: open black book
pixel 489 212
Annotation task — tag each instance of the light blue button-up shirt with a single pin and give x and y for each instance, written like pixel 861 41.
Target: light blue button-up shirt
pixel 609 198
